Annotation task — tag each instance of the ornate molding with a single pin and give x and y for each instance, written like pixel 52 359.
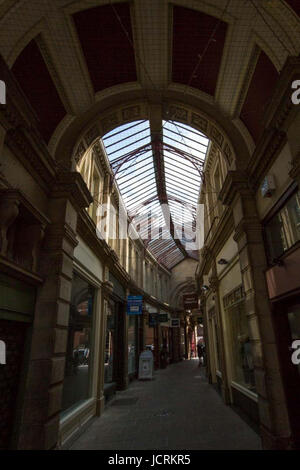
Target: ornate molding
pixel 236 182
pixel 71 185
pixel 265 153
pixel 22 135
pixel 250 226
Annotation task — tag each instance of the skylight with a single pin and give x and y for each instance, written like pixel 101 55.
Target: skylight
pixel 151 174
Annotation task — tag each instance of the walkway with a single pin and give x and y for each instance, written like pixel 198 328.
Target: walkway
pixel 177 410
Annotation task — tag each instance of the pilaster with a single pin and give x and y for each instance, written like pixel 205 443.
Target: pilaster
pixel 214 285
pixel 237 193
pixel 44 383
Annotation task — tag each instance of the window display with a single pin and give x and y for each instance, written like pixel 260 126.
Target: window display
pixel 80 345
pixel 242 360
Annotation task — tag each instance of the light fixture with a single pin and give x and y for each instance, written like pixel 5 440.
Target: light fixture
pixel 222 261
pixel 204 287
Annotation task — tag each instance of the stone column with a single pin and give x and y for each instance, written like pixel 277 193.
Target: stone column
pixel 274 421
pixel 214 284
pixel 44 382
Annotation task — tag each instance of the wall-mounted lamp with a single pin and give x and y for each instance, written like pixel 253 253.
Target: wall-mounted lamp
pixel 222 261
pixel 204 287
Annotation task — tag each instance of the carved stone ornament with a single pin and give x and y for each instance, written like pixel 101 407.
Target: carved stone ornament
pixel 108 287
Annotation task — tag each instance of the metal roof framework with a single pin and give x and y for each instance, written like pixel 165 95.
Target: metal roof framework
pixel 159 176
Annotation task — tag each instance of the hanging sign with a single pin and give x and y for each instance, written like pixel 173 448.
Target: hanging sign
pixel 163 317
pixel 152 319
pixel 190 301
pixel 134 305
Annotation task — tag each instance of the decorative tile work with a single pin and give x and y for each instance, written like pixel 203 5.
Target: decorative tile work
pixel 91 134
pixel 133 112
pixel 200 122
pixel 217 136
pixel 109 122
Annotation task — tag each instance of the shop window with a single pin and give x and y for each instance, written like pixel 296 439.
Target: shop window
pixel 282 231
pixel 78 371
pixel 241 352
pixel 110 344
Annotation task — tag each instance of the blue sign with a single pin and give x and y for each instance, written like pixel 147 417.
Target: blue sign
pixel 134 304
pixel 152 319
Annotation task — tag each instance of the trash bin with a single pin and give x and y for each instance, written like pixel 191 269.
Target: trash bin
pixel 146 365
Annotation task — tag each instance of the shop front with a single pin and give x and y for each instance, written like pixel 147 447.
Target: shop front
pixel 239 348
pixel 133 329
pixel 182 339
pixel 174 332
pixel 80 346
pixel 166 343
pixel 151 332
pixel 115 352
pixel 81 398
pixel 135 323
pixel 17 302
pixel 282 235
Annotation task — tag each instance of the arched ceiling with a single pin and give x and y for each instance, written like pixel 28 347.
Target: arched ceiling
pixel 74 59
pixel 226 52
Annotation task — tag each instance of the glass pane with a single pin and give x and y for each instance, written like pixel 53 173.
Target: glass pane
pixel 243 368
pixel 275 237
pixel 110 339
pixel 293 209
pixel 283 230
pixel 79 348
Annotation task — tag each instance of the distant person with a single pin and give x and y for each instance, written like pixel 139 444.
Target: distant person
pixel 200 350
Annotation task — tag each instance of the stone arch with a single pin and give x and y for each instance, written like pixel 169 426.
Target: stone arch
pixel 180 289
pixel 138 110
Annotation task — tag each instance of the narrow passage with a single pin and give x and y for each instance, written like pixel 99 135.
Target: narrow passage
pixel 176 410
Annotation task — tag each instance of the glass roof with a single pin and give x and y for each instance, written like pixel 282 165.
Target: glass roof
pixel 159 180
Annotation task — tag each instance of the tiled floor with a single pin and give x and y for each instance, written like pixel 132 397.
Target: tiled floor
pixel 177 410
